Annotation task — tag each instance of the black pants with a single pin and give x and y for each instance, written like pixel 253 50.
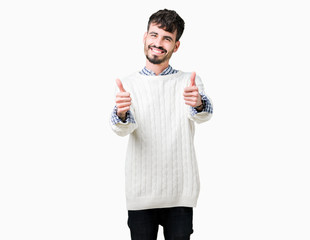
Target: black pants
pixel 177 223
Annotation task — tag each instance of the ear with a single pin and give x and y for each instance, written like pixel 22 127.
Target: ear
pixel 176 47
pixel 144 37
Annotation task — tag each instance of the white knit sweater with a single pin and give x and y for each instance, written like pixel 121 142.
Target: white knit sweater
pixel 161 168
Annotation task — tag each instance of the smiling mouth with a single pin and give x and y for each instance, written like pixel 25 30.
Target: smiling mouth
pixel 157 50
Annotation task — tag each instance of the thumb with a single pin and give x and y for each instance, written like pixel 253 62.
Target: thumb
pixel 193 76
pixel 120 85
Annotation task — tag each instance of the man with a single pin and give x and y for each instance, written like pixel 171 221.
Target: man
pixel 158 107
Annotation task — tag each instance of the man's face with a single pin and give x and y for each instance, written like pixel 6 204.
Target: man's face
pixel 159 44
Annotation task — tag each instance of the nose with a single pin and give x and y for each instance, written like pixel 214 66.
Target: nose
pixel 158 42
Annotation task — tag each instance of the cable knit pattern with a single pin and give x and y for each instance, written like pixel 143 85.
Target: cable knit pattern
pixel 161 168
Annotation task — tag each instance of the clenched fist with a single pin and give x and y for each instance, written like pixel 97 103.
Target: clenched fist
pixel 191 94
pixel 123 101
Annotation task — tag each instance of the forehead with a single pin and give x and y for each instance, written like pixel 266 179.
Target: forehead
pixel 155 28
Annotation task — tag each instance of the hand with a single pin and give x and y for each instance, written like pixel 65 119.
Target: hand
pixel 191 94
pixel 123 101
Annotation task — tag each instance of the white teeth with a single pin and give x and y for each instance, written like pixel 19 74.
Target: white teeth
pixel 154 50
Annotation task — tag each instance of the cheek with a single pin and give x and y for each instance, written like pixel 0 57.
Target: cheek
pixel 173 48
pixel 148 43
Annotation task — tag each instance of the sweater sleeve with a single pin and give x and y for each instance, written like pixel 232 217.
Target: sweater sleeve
pixel 123 128
pixel 207 111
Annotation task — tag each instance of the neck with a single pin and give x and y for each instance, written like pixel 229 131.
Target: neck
pixel 156 68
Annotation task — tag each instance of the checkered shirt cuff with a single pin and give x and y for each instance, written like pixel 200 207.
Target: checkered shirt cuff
pixel 115 119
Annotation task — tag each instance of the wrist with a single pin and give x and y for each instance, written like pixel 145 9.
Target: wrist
pixel 122 116
pixel 199 107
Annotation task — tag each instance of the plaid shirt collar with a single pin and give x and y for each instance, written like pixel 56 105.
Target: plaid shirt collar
pixel 168 70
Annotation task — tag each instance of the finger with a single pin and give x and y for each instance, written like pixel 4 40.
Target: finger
pixel 122 105
pixel 123 94
pixel 122 100
pixel 193 76
pixel 190 89
pixel 120 85
pixel 190 94
pixel 190 103
pixel 123 110
pixel 190 99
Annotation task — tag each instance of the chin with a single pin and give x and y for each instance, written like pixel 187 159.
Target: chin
pixel 155 59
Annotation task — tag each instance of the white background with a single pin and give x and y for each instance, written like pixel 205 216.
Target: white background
pixel 62 167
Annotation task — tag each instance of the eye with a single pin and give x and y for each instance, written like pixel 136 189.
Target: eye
pixel 168 39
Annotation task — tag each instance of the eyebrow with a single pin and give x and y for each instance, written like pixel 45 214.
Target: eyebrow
pixel 169 37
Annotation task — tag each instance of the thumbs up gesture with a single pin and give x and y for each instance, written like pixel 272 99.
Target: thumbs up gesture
pixel 123 101
pixel 191 94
